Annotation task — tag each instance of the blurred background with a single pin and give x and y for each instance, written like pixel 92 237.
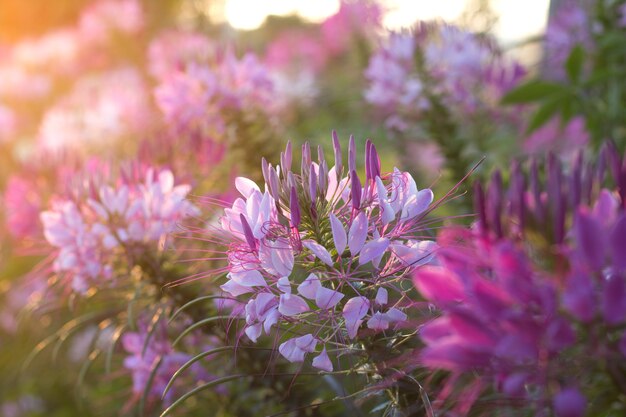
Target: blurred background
pixel 93 92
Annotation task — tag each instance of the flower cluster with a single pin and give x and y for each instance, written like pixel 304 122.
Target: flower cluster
pixel 467 73
pixel 88 231
pixel 152 361
pixel 540 330
pixel 105 107
pixel 569 26
pixel 200 97
pixel 319 256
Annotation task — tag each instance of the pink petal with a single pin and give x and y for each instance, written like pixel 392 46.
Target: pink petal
pixel 307 343
pixel 326 298
pixel 235 289
pixel 377 322
pixel 270 320
pixel 308 287
pixel 290 351
pixel 357 233
pixel 417 204
pixel 339 233
pixel 373 249
pixel 382 296
pixel 354 310
pixel 254 331
pixel 439 285
pixel 291 304
pixel 284 285
pixel 319 251
pixel 322 361
pixel 246 186
pixel 393 314
pixel 252 278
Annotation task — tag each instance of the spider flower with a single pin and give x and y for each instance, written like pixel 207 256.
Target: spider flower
pixel 319 255
pixel 532 300
pixel 198 97
pixel 90 231
pixel 152 361
pixel 468 73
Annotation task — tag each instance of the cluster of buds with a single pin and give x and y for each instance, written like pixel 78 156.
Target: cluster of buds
pixel 320 256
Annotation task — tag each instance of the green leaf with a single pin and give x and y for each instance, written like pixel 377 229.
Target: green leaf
pixel 574 63
pixel 531 91
pixel 544 113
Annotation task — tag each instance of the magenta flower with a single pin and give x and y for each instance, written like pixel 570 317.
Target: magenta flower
pixel 532 299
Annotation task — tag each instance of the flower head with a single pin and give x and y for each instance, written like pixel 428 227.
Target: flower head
pixel 321 253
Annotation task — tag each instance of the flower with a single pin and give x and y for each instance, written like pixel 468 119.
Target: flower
pixel 152 360
pixel 521 295
pixel 88 231
pixel 100 109
pixel 353 240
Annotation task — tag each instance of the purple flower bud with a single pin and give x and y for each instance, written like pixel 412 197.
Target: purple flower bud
pixel 569 403
pixel 273 184
pixel 322 179
pixel 368 167
pixel 265 169
pixel 374 162
pixel 479 206
pixel 306 158
pixel 320 154
pixel 618 243
pixel 312 184
pixel 494 203
pixel 247 232
pixel 338 156
pixel 294 208
pixel 590 239
pixel 285 159
pixel 614 299
pixel 355 190
pixel 351 155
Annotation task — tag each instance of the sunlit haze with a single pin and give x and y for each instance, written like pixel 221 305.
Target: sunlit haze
pixel 516 20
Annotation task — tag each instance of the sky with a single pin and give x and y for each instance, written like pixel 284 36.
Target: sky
pixel 518 20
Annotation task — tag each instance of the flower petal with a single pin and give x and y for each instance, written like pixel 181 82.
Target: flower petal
pixel 308 287
pixel 357 233
pixel 373 249
pixel 319 251
pixel 322 361
pixel 326 298
pixel 339 233
pixel 291 304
